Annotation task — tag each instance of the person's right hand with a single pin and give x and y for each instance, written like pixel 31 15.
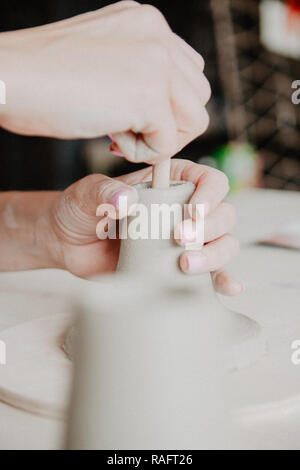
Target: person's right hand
pixel 72 227
pixel 119 70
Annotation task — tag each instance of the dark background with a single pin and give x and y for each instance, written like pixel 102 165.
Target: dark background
pixel 38 163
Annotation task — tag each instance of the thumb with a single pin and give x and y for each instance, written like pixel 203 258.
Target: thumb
pixel 78 210
pixel 93 191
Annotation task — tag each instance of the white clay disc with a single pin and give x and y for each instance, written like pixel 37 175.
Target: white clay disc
pixel 37 375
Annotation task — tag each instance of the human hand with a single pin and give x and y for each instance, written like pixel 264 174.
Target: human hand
pixel 119 70
pixel 75 239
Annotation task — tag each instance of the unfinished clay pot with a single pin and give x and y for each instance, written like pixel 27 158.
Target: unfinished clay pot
pixel 154 346
pixel 146 375
pixel 155 258
pixel 156 261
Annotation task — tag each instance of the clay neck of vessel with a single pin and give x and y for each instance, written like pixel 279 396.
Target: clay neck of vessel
pixel 154 256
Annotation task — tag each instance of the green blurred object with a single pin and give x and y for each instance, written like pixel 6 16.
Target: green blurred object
pixel 240 162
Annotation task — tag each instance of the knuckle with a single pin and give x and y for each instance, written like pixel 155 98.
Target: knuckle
pixel 206 90
pixel 205 121
pixel 130 3
pixel 93 186
pixel 151 15
pixel 219 179
pixel 201 61
pixel 200 118
pixel 90 180
pixel 222 179
pixel 83 186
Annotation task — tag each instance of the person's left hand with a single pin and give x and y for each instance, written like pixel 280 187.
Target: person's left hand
pixel 75 244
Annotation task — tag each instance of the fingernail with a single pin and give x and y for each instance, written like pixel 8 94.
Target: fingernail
pixel 123 199
pixel 239 289
pixel 111 137
pixel 186 232
pixel 193 263
pixel 116 152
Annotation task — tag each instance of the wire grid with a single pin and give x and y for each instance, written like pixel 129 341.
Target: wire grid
pixel 257 86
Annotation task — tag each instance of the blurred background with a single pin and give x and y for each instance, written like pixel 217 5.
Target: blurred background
pixel 252 54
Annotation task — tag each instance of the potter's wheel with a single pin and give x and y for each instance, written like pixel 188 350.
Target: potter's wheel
pixel 266 394
pixel 265 403
pixel 37 376
pixel 265 397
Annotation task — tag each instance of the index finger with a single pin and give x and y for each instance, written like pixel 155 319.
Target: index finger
pixel 211 184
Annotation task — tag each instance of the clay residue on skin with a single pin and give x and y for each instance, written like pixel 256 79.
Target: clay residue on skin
pixel 9 217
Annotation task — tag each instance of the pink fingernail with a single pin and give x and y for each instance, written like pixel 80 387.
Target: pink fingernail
pixel 193 264
pixel 116 152
pixel 129 196
pixel 188 232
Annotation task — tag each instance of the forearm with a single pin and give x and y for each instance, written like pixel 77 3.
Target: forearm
pixel 15 71
pixel 5 76
pixel 26 239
